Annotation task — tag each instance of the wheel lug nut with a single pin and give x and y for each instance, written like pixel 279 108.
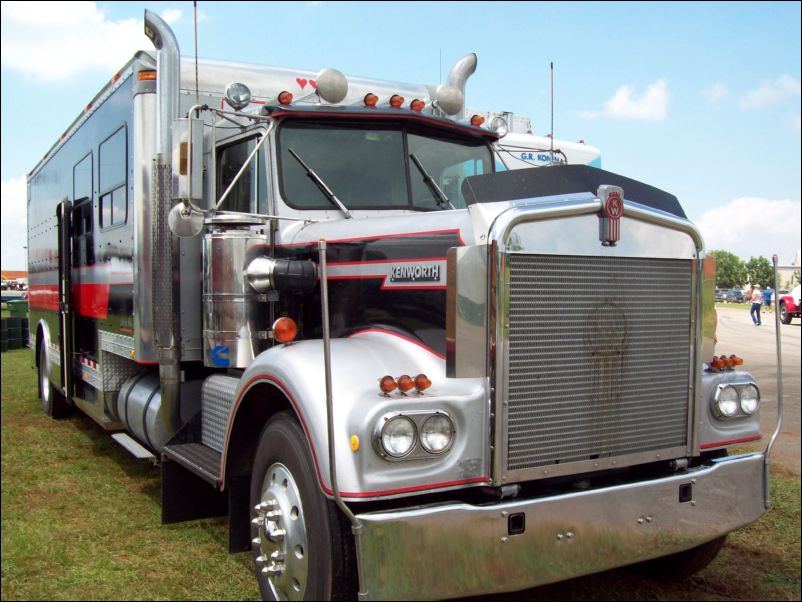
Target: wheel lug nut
pixel 261 559
pixel 277 534
pixel 273 515
pixel 273 570
pixel 256 541
pixel 257 522
pixel 277 556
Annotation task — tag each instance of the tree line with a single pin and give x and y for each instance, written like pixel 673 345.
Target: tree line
pixel 734 272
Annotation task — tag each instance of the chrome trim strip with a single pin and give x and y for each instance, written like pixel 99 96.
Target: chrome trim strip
pixel 470 550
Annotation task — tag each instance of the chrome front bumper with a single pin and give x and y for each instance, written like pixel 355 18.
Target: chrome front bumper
pixel 458 550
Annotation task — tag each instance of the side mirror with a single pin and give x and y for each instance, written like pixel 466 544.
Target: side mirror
pixel 187 159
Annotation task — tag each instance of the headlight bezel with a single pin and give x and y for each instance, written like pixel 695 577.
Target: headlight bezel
pixel 418 450
pixel 398 418
pixel 738 411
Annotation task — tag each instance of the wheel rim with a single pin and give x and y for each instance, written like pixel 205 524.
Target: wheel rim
pixel 281 544
pixel 44 379
pixel 782 312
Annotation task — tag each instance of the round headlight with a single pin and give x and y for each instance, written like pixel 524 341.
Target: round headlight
pixel 238 95
pixel 750 399
pixel 398 436
pixel 499 125
pixel 727 401
pixel 437 433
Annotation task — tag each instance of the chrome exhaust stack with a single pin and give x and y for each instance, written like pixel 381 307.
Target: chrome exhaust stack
pixel 450 96
pixel 165 264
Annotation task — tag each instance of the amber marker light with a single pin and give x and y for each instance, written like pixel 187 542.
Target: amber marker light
pixel 396 101
pixel 417 105
pixel 736 361
pixel 147 76
pixel 285 98
pixel 370 99
pixel 354 443
pixel 405 383
pixel 717 363
pixel 285 330
pixel 387 384
pixel 422 383
pixel 477 120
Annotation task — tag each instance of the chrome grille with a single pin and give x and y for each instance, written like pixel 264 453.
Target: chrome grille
pixel 598 357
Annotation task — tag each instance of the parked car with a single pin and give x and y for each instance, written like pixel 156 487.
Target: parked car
pixel 22 284
pixel 789 306
pixel 5 284
pixel 734 296
pixel 721 295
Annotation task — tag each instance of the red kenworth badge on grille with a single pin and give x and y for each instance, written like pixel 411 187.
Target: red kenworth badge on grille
pixel 612 198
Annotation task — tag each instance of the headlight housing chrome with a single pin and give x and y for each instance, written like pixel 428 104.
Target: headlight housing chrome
pixel 414 435
pixel 732 400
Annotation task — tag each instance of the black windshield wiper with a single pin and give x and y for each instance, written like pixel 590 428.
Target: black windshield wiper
pixel 322 185
pixel 441 198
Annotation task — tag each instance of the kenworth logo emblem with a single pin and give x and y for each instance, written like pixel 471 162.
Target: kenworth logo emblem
pixel 415 273
pixel 612 198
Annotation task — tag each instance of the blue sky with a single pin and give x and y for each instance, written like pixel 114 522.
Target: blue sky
pixel 699 99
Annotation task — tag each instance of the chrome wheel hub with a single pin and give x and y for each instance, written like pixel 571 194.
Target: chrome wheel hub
pixel 281 543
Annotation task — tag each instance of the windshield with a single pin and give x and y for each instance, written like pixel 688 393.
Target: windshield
pixel 369 167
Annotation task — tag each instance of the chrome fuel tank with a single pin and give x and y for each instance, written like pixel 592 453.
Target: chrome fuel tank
pixel 235 317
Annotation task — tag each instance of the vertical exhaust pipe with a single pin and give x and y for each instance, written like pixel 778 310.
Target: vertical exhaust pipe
pixel 166 259
pixel 450 96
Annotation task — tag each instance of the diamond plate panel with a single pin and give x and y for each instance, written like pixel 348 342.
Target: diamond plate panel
pixel 217 397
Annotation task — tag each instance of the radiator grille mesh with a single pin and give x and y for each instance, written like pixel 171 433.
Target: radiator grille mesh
pixel 599 356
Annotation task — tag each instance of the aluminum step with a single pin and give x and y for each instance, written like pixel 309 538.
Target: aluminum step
pixel 133 447
pixel 197 458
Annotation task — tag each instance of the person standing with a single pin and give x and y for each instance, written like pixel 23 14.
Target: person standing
pixel 767 295
pixel 757 301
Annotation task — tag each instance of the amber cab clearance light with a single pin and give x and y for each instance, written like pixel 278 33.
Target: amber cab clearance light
pixel 396 101
pixel 370 99
pixel 285 98
pixel 422 382
pixel 477 120
pixel 417 105
pixel 147 76
pixel 717 363
pixel 405 383
pixel 285 330
pixel 387 384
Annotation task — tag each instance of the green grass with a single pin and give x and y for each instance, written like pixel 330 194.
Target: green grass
pixel 81 521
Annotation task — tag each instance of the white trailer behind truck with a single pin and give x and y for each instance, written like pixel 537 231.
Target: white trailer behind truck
pixel 324 308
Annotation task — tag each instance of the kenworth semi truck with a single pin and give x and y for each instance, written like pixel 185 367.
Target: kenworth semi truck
pixel 402 372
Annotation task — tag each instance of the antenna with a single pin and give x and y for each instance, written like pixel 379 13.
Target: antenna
pixel 197 93
pixel 551 152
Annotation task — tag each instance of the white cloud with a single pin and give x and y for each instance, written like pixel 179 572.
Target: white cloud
pixel 652 105
pixel 13 224
pixel 769 93
pixel 753 226
pixel 54 41
pixel 715 93
pixel 171 15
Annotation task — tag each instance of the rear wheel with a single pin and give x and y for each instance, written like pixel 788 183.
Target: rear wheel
pixel 53 402
pixel 785 317
pixel 301 546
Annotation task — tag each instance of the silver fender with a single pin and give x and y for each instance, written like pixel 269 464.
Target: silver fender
pixel 358 363
pixel 51 353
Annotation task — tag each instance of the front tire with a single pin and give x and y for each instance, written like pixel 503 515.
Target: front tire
pixel 785 317
pixel 301 547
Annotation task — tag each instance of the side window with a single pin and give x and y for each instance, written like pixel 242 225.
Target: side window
pixel 112 167
pixel 249 193
pixel 82 179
